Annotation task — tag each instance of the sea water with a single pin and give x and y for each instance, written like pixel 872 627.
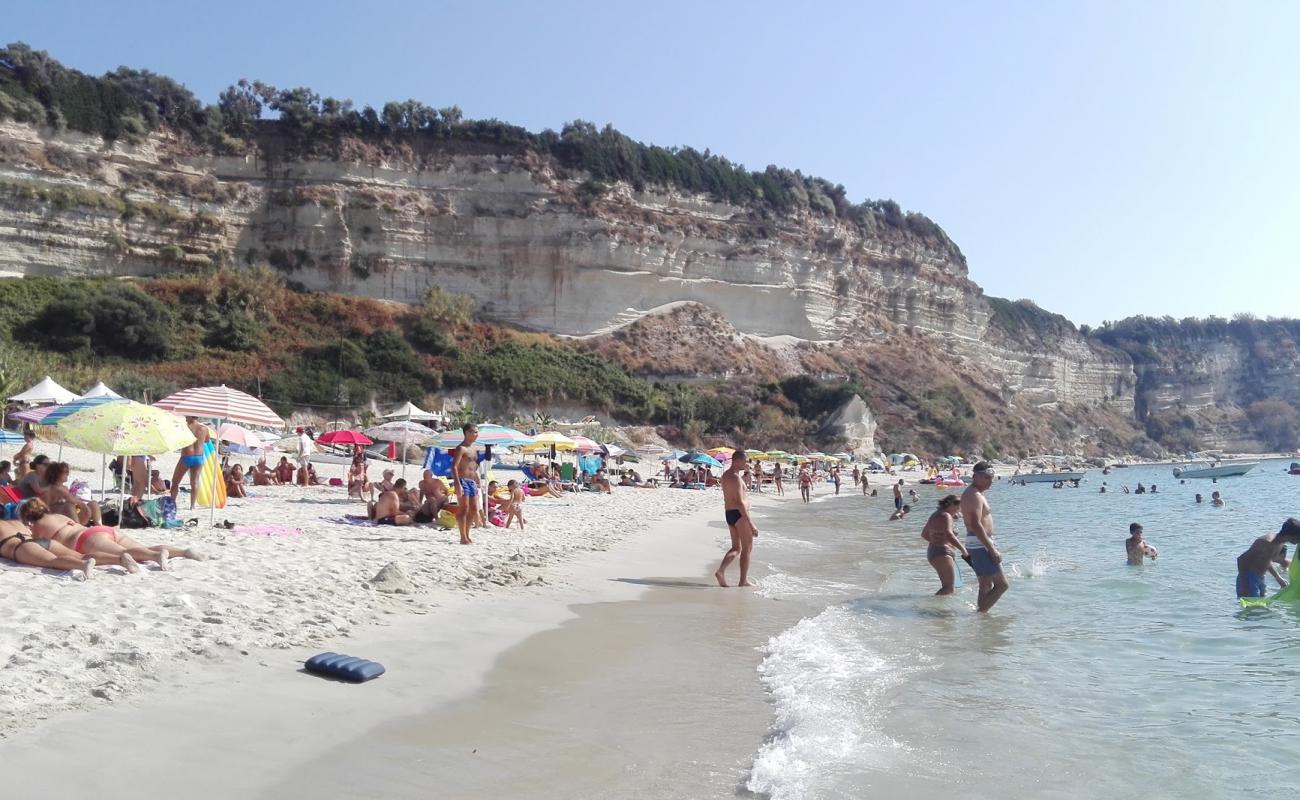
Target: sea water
pixel 1090 678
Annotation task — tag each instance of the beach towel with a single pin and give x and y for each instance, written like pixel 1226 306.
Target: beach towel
pixel 352 519
pixel 267 530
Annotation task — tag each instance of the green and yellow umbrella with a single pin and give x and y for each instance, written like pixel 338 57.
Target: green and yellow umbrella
pixel 126 429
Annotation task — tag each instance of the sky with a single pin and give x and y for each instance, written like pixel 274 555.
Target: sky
pixel 1103 159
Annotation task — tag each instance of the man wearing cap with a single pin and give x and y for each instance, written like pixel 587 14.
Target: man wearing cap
pixel 305 448
pixel 1260 559
pixel 984 556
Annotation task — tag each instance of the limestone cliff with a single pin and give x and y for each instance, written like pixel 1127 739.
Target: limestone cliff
pixel 545 248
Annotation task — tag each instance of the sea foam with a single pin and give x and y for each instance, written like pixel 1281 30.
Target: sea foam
pixel 825 685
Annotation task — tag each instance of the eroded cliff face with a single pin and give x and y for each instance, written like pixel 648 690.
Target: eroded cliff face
pixel 1213 380
pixel 536 249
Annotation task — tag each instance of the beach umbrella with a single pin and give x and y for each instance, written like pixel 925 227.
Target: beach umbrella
pixel 721 452
pixel 553 441
pixel 842 456
pixel 494 435
pixel 224 405
pixel 584 445
pixel 34 415
pixel 651 450
pixel 696 457
pixel 221 403
pixel 403 431
pixel 47 391
pixel 11 437
pixel 68 409
pixel 345 437
pixel 237 434
pixel 126 429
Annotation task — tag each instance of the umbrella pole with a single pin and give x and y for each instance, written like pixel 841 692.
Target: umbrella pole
pixel 216 470
pixel 405 434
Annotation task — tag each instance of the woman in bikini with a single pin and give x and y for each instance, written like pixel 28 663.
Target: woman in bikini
pixel 941 538
pixel 17 544
pixel 61 501
pixel 98 541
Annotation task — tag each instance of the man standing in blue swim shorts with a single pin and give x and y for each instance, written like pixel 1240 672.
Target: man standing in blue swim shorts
pixel 464 476
pixel 1259 559
pixel 984 556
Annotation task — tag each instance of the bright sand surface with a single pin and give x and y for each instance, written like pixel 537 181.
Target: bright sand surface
pixel 205 658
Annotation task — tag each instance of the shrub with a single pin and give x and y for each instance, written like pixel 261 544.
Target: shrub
pixel 1276 422
pixel 117 319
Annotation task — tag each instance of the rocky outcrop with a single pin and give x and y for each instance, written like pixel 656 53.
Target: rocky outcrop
pixel 853 423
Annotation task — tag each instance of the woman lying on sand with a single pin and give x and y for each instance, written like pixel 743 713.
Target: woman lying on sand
pixel 99 541
pixel 17 544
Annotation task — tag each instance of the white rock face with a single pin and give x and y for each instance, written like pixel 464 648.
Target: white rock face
pixel 509 232
pixel 854 422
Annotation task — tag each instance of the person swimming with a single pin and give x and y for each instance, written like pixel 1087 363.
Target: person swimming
pixel 1137 548
pixel 1261 558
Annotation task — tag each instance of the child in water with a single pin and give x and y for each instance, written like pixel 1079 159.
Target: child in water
pixel 1137 548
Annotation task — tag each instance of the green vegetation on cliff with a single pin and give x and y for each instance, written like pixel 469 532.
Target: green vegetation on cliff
pixel 128 103
pixel 250 330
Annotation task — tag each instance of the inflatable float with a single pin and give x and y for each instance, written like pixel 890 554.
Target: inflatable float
pixel 1288 595
pixel 211 491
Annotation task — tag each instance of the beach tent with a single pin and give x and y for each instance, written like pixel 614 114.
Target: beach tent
pixel 47 391
pixel 411 411
pixel 100 390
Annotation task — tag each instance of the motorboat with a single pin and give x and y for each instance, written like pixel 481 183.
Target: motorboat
pixel 1214 469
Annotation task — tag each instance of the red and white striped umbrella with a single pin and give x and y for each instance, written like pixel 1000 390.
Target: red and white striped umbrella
pixel 223 403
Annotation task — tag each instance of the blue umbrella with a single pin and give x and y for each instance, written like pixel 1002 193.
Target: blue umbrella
pixel 68 409
pixel 696 457
pixel 11 437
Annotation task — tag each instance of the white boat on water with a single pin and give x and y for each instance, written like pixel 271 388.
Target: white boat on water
pixel 1047 477
pixel 1214 470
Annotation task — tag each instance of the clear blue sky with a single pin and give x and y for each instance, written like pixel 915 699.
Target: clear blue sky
pixel 1101 158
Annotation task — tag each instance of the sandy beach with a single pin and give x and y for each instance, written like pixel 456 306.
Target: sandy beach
pixel 74 646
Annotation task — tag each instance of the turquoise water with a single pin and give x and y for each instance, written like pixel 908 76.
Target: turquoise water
pixel 1089 679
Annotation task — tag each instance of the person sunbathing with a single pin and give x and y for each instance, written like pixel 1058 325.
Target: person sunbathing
pixel 17 545
pixel 235 482
pixel 61 501
pixel 99 542
pixel 387 510
pixel 433 495
pixel 156 483
pixel 284 471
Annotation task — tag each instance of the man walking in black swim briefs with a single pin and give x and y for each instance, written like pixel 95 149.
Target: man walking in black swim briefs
pixel 739 523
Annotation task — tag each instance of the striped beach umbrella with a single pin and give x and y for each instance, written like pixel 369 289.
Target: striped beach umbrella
pixel 68 409
pixel 584 445
pixel 223 403
pixel 34 415
pixel 495 435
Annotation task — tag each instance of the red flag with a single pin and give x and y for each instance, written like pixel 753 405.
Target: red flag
pixel 392 449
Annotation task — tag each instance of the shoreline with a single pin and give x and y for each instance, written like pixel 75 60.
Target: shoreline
pixel 434 656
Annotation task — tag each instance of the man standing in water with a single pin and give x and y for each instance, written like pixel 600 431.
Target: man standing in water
pixel 1260 558
pixel 898 495
pixel 736 505
pixel 464 474
pixel 984 556
pixel 192 456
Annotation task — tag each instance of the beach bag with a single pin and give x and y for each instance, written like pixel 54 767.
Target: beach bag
pixel 170 520
pixel 131 516
pixel 80 490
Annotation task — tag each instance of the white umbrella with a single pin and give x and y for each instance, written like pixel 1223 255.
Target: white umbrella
pixel 403 431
